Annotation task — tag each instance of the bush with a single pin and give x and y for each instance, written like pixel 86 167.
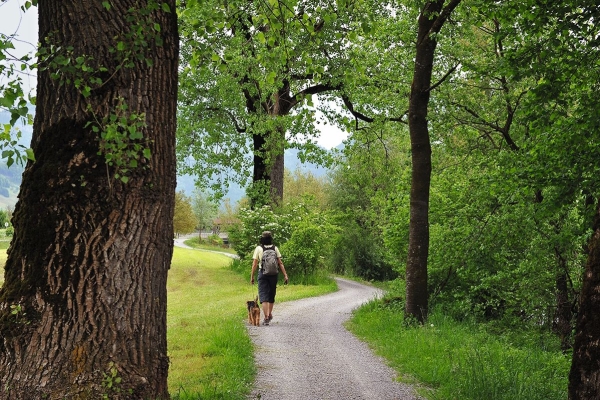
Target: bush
pixel 214 240
pixel 245 235
pixel 10 231
pixel 304 252
pixel 300 230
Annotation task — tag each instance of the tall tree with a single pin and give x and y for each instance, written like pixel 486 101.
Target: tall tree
pixel 204 208
pixel 584 378
pixel 250 71
pixel 83 306
pixel 431 20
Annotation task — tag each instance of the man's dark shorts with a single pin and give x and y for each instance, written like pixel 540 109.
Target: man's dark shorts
pixel 267 287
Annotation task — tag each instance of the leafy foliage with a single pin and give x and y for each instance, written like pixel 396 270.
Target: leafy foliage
pixel 299 229
pixel 251 71
pixel 14 99
pixel 184 220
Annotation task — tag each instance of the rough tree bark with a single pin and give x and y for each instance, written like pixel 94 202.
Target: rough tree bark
pixel 584 378
pixel 83 306
pixel 432 18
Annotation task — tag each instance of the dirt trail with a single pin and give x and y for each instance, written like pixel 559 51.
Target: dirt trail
pixel 307 354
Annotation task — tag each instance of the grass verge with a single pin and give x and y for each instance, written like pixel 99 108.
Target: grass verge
pixel 447 360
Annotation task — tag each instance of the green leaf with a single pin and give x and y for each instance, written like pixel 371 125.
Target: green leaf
pixel 29 154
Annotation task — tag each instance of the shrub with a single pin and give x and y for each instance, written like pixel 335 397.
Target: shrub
pixel 244 236
pixel 214 240
pixel 304 252
pixel 300 230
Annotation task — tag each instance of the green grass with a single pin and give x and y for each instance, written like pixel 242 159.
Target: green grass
pixel 447 360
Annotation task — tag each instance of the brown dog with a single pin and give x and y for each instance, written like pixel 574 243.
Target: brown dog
pixel 253 312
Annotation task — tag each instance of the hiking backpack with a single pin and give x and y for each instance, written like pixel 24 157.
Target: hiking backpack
pixel 269 263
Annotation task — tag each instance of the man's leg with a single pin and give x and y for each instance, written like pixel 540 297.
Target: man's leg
pixel 267 307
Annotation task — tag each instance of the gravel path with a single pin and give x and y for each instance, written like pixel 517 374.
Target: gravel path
pixel 306 353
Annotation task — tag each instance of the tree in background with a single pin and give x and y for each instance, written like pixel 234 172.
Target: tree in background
pixel 84 294
pixel 370 181
pixel 204 209
pixel 4 217
pixel 184 218
pixel 251 72
pixel 298 184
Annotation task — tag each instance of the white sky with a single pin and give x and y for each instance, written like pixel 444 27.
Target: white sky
pixel 24 28
pixel 24 25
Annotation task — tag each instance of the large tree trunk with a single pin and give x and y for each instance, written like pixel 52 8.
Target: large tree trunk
pixel 430 22
pixel 584 378
pixel 267 177
pixel 83 306
pixel 269 147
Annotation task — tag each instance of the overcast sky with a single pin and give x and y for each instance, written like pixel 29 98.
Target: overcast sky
pixel 24 26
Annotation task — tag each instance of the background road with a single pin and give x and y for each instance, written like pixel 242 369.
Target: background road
pixel 306 353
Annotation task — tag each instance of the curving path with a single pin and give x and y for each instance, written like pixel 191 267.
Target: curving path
pixel 307 354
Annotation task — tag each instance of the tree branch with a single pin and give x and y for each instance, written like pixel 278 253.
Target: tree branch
pixel 443 78
pixel 360 116
pixel 238 128
pixel 441 19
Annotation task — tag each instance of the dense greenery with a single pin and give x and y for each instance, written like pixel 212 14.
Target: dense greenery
pixel 299 229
